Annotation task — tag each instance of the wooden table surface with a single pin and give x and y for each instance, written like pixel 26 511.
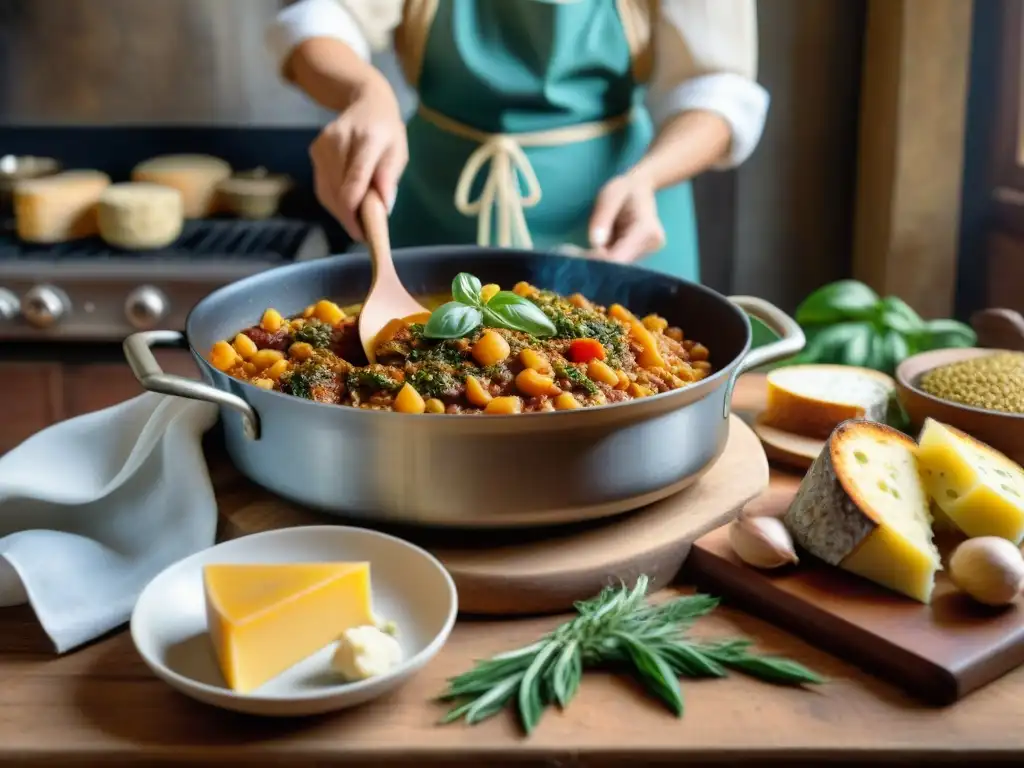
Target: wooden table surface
pixel 100 705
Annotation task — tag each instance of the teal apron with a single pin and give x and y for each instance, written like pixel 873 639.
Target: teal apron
pixel 528 107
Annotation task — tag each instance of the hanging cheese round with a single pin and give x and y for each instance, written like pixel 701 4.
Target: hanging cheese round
pixel 140 216
pixel 58 208
pixel 195 176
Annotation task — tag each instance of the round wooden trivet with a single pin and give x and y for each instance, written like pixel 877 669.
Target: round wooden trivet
pixel 787 448
pixel 543 571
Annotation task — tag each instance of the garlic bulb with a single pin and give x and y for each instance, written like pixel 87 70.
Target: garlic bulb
pixel 762 542
pixel 989 569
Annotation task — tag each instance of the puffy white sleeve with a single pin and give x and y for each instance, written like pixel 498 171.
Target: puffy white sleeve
pixel 706 58
pixel 366 25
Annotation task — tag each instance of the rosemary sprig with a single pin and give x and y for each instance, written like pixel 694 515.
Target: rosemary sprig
pixel 617 628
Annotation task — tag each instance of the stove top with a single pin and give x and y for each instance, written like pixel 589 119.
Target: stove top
pixel 85 290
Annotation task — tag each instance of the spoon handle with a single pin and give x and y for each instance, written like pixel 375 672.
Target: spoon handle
pixel 374 215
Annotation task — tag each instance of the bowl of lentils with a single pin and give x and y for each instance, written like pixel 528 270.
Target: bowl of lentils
pixel 979 391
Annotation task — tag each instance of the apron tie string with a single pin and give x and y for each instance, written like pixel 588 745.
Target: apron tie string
pixel 501 191
pixel 506 163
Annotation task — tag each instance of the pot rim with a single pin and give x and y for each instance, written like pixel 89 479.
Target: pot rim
pixel 656 402
pixel 661 402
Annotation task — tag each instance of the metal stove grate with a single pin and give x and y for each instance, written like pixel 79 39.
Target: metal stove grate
pixel 271 240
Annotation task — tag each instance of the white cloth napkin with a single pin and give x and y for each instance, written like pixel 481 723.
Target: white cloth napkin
pixel 93 508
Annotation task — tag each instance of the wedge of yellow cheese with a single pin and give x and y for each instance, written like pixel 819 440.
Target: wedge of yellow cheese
pixel 263 619
pixel 863 507
pixel 812 400
pixel 978 488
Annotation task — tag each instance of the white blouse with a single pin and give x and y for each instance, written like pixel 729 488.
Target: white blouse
pixel 705 55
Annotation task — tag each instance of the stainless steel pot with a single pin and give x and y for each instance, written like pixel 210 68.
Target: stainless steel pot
pixel 479 471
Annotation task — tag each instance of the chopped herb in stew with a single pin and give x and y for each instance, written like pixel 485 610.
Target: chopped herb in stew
pixel 373 380
pixel 435 381
pixel 576 377
pixel 311 379
pixel 316 333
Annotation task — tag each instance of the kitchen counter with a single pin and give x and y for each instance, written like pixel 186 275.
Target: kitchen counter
pixel 100 705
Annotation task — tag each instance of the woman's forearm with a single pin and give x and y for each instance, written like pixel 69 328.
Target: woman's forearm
pixel 329 72
pixel 686 145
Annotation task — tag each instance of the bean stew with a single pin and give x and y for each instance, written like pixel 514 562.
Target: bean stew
pixel 484 350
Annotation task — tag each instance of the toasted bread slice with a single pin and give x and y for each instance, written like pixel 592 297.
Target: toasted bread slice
pixel 812 400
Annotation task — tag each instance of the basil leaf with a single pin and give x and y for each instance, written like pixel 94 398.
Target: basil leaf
pixel 509 310
pixel 943 334
pixel 878 358
pixel 842 300
pixel 857 351
pixel 452 321
pixel 466 289
pixel 898 348
pixel 828 344
pixel 900 316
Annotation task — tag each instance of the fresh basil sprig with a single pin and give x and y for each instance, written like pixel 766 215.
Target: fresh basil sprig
pixel 468 311
pixel 847 323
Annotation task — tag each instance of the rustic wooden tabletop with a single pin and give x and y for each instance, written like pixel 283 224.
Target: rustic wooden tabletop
pixel 100 705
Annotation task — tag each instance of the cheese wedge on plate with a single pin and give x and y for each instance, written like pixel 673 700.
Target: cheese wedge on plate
pixel 979 489
pixel 812 400
pixel 264 619
pixel 863 507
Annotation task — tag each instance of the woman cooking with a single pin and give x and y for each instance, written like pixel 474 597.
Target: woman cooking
pixel 532 129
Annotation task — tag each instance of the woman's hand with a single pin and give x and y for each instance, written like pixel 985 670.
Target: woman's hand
pixel 364 146
pixel 625 226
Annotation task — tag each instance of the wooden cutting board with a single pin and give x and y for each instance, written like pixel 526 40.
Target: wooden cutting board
pixel 545 570
pixel 939 652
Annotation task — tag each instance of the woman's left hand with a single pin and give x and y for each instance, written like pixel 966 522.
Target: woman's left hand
pixel 625 226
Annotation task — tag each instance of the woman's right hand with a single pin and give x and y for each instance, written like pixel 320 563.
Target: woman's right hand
pixel 364 146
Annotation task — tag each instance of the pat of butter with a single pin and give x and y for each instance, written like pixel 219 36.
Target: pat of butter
pixel 365 652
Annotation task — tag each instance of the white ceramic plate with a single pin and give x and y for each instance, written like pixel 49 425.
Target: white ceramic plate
pixel 409 587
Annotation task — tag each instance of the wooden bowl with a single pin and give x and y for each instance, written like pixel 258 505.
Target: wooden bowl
pixel 1002 431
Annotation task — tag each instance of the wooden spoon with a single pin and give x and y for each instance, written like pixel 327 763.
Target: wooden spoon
pixel 387 300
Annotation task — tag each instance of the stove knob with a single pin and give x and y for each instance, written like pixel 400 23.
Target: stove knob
pixel 9 305
pixel 44 305
pixel 145 307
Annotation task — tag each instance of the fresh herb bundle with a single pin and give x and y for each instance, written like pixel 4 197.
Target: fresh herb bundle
pixel 847 323
pixel 468 311
pixel 618 628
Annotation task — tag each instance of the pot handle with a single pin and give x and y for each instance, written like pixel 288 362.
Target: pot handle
pixel 791 341
pixel 138 349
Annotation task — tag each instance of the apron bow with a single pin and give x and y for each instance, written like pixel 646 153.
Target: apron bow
pixel 506 163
